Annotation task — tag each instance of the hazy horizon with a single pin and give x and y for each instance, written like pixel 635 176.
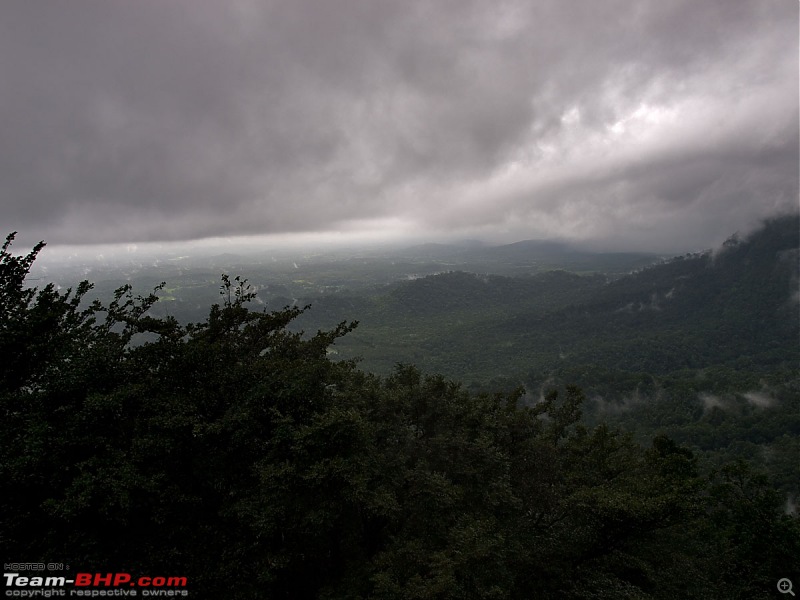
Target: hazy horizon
pixel 310 245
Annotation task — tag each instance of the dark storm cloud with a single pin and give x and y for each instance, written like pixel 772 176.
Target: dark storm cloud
pixel 659 123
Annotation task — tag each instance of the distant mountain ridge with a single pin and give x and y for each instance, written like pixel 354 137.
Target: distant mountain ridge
pixel 736 305
pixel 528 255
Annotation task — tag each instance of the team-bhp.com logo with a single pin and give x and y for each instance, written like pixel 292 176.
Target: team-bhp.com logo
pixel 93 585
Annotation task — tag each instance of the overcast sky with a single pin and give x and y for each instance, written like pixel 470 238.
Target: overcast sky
pixel 654 124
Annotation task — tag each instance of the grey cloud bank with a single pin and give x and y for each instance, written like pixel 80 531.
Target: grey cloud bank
pixel 638 124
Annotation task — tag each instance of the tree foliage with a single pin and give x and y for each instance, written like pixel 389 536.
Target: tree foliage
pixel 235 452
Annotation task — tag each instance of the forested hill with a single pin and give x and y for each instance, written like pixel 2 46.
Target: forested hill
pixel 745 291
pixel 735 306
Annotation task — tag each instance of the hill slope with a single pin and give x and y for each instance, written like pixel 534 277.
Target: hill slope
pixel 737 306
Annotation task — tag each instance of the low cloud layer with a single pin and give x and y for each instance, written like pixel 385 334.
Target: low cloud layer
pixel 656 125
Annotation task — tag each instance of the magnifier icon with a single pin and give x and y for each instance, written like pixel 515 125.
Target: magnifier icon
pixel 785 586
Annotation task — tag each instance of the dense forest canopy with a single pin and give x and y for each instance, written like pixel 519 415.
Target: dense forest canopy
pixel 237 452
